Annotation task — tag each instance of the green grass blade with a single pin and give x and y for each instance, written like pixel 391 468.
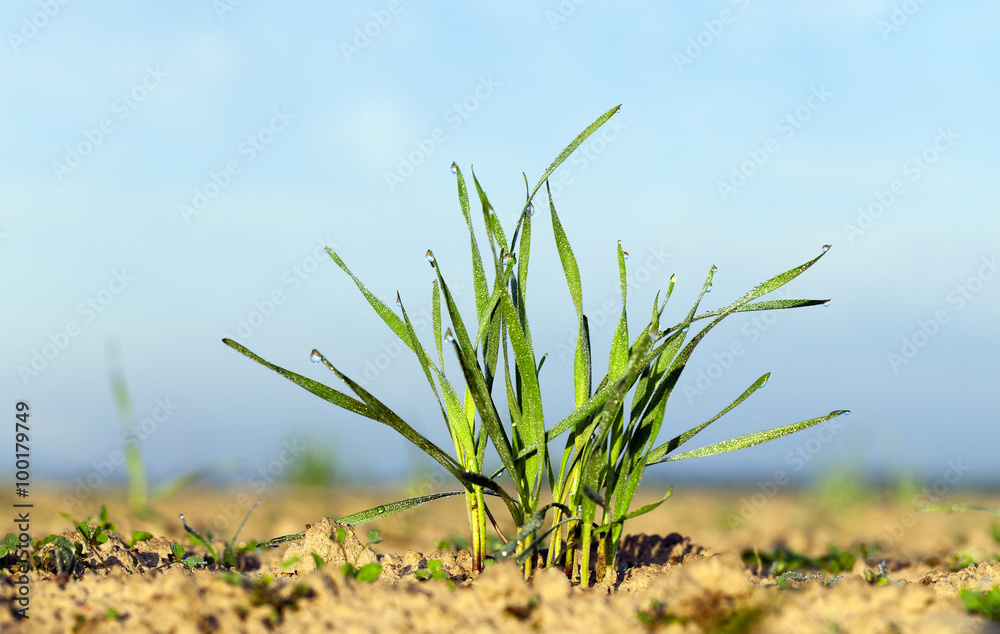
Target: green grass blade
pixel 775 304
pixel 385 510
pixel 497 229
pixel 530 525
pixel 488 214
pixel 387 314
pixel 647 508
pixel 530 548
pixel 436 323
pixel 570 268
pixel 491 486
pixel 451 409
pixel 491 306
pixel 582 364
pixel 619 343
pixel 617 396
pixel 668 447
pixel 324 392
pixel 749 440
pixel 491 344
pixel 532 424
pixel 773 284
pixel 581 360
pixel 487 412
pixel 425 362
pixel 478 273
pixel 621 519
pixel 386 416
pixel 138 487
pixel 476 382
pixel 523 256
pixel 575 143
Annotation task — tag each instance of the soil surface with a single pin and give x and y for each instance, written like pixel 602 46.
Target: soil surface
pixel 704 561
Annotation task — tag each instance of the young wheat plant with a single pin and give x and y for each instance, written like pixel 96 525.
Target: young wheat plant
pixel 610 435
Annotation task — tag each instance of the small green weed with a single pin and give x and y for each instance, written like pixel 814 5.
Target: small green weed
pixel 724 621
pixel 792 579
pixel 986 603
pixel 781 560
pixel 433 571
pixel 879 576
pixel 656 616
pixel 229 557
pixel 280 598
pixel 368 572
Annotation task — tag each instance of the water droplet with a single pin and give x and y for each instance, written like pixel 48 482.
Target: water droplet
pixel 673 278
pixel 529 211
pixel 508 259
pixel 708 289
pixel 430 257
pixel 714 268
pixel 491 210
pixel 826 247
pixel 399 302
pixel 454 168
pixel 625 254
pixel 448 336
pixel 315 357
pixel 685 329
pixel 380 510
pixel 826 304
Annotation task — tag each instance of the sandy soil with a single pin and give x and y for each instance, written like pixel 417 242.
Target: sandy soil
pixel 687 567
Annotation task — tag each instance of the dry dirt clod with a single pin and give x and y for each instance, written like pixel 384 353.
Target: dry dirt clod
pixel 321 539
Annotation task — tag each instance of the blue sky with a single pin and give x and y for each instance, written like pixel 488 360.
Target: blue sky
pixel 169 175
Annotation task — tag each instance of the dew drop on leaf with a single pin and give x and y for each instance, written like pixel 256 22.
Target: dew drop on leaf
pixel 380 510
pixel 448 336
pixel 826 247
pixel 491 210
pixel 625 254
pixel 708 289
pixel 454 168
pixel 430 257
pixel 673 279
pixel 529 211
pixel 826 304
pixel 315 357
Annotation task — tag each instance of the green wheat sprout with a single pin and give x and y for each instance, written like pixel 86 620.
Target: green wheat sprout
pixel 610 435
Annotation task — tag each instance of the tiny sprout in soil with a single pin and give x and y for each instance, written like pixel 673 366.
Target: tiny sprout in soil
pixel 608 441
